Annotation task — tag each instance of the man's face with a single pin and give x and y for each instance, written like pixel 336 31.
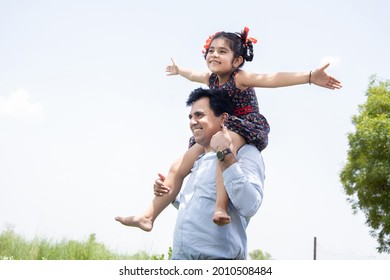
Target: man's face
pixel 203 123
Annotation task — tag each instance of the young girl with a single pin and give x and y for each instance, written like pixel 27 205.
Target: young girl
pixel 225 54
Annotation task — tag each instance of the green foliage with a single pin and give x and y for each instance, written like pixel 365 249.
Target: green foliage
pixel 366 175
pixel 259 255
pixel 15 247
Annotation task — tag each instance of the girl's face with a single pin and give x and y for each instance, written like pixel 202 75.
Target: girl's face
pixel 220 58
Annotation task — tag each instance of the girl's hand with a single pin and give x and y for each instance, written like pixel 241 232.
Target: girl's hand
pixel 172 69
pixel 320 78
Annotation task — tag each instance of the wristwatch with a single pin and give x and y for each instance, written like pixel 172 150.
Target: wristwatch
pixel 221 154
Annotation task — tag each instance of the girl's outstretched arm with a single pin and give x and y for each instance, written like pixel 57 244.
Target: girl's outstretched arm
pixel 189 74
pixel 318 77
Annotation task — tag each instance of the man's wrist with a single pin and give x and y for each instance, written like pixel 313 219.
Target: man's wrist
pixel 222 153
pixel 227 160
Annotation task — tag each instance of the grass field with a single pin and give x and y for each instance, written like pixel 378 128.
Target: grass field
pixel 15 247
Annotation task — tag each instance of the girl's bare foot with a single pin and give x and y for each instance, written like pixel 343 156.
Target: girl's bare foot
pixel 141 222
pixel 221 218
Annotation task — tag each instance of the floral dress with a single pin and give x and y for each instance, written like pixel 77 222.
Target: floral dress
pixel 247 120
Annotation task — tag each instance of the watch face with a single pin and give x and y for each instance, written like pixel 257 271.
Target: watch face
pixel 220 155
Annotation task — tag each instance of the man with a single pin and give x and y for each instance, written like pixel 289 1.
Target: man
pixel 195 235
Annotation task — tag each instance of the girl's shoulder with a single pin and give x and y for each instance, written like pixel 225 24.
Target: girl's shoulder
pixel 239 78
pixel 212 78
pixel 239 73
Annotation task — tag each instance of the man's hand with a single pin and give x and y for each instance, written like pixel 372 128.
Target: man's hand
pixel 158 187
pixel 221 140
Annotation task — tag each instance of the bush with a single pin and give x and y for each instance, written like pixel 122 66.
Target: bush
pixel 15 247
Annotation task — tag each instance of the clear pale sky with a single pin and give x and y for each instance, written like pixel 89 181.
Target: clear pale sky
pixel 88 116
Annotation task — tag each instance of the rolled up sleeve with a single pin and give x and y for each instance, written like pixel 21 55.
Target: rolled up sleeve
pixel 244 181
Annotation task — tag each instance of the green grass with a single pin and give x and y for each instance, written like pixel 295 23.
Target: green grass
pixel 15 247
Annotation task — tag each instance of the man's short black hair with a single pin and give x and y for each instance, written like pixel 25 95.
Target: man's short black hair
pixel 219 100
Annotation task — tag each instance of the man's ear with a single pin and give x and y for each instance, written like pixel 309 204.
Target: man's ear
pixel 224 117
pixel 237 61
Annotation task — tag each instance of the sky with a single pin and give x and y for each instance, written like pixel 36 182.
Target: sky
pixel 88 116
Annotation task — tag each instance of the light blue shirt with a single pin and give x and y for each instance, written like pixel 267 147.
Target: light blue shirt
pixel 196 236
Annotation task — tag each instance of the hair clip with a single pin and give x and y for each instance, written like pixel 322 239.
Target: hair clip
pixel 206 45
pixel 248 39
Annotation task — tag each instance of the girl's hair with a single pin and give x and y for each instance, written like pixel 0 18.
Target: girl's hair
pixel 238 43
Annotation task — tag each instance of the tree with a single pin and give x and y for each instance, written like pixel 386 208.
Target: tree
pixel 366 174
pixel 259 255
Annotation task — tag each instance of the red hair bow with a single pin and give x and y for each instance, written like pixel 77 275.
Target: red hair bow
pixel 206 46
pixel 208 42
pixel 249 39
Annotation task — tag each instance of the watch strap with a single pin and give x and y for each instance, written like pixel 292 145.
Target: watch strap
pixel 221 154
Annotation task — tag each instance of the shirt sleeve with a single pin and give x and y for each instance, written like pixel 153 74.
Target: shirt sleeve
pixel 244 181
pixel 176 203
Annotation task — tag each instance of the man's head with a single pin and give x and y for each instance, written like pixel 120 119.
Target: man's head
pixel 208 113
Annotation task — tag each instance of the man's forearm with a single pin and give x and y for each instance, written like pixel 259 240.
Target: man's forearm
pixel 228 160
pixel 245 189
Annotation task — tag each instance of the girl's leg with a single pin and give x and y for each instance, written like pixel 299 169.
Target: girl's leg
pixel 221 216
pixel 178 171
